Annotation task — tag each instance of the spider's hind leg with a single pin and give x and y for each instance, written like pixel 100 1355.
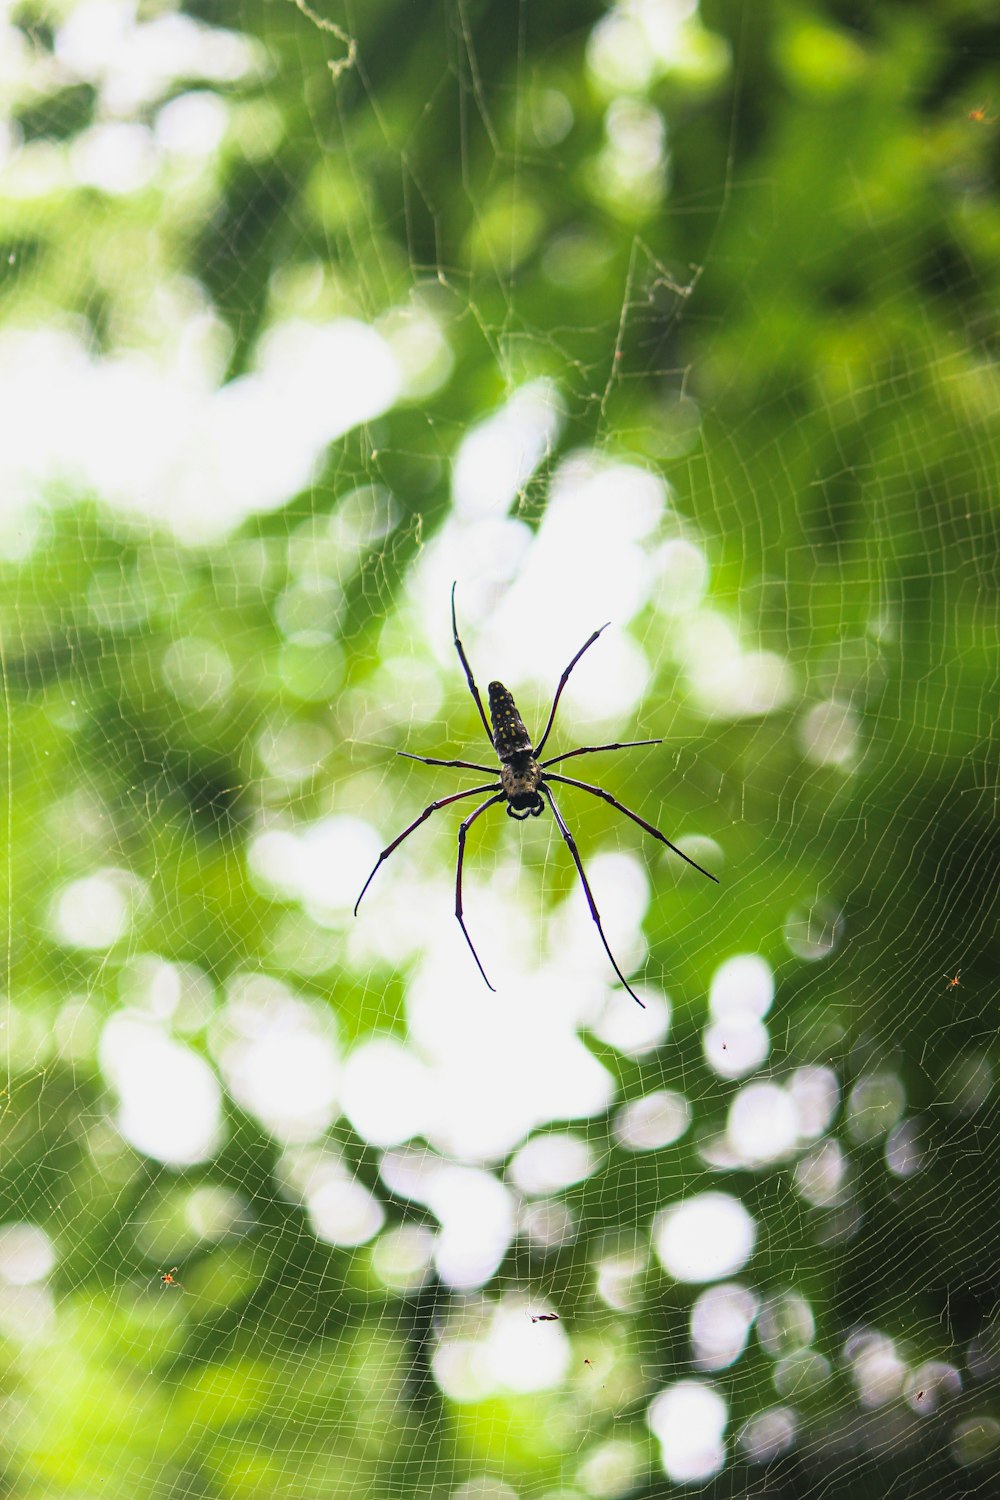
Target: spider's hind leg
pixel 468 671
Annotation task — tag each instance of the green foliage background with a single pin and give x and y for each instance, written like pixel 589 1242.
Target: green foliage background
pixel 822 279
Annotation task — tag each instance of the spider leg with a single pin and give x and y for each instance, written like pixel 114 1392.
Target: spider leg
pixel 592 749
pixel 597 791
pixel 571 846
pixel 463 829
pixel 430 760
pixel 562 683
pixel 441 802
pixel 466 668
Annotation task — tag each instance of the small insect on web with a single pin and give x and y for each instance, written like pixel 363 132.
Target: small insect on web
pixel 524 784
pixel 952 980
pixel 169 1278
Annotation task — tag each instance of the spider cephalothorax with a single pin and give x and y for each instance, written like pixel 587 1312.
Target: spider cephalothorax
pixel 523 784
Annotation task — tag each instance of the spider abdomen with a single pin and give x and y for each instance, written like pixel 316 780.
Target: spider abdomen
pixel 510 737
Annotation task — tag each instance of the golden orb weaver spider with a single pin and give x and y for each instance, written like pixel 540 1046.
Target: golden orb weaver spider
pixel 524 786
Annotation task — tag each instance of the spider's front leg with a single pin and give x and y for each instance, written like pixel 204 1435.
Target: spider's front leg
pixel 463 829
pixel 570 843
pixel 433 808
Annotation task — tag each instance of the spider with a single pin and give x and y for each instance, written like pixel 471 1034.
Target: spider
pixel 524 784
pixel 952 982
pixel 167 1278
pixel 979 116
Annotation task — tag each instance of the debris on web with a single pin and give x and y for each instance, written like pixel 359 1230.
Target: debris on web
pixel 336 65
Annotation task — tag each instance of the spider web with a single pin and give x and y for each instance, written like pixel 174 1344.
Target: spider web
pixel 679 319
